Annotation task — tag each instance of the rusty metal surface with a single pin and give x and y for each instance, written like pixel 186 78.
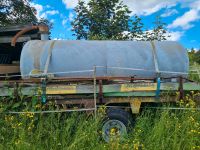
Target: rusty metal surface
pixel 68 79
pixel 41 28
pixel 84 55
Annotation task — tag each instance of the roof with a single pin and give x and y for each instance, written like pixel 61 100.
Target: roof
pixel 7 33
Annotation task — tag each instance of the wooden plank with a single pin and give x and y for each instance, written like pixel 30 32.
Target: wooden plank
pixel 142 99
pixel 67 89
pixel 6 69
pixel 108 90
pixel 138 87
pixel 130 94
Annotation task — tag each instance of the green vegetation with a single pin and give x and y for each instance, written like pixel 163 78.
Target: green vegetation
pixel 194 58
pixel 194 73
pixel 112 20
pixel 154 129
pixel 16 12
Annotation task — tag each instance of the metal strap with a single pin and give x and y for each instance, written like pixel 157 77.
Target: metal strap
pixel 155 58
pixel 48 57
pixel 156 68
pixel 43 87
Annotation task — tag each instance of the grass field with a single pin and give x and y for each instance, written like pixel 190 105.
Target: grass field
pixel 154 130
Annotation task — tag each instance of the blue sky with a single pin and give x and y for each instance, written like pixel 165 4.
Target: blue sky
pixel 182 17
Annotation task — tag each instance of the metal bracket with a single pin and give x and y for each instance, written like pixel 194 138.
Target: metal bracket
pixel 158 88
pixel 43 86
pixel 135 106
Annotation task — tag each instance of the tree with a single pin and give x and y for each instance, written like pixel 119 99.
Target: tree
pixel 159 33
pixel 16 12
pixel 106 19
pixel 197 57
pixel 136 29
pixel 81 22
pixel 191 55
pixel 110 19
pixel 194 56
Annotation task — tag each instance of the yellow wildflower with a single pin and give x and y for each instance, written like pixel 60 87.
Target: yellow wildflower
pixel 19 124
pixel 17 142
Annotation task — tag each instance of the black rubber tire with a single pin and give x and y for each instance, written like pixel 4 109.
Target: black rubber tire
pixel 121 115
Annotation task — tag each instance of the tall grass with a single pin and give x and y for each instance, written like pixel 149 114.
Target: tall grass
pixel 194 75
pixel 154 129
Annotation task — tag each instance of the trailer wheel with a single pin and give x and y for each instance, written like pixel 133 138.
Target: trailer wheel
pixel 116 125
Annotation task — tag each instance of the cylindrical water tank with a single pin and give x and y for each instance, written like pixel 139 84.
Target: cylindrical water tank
pixel 145 58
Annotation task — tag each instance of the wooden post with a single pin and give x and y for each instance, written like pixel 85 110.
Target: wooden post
pixel 100 92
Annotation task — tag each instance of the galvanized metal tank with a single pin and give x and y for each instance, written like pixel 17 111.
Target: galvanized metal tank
pixel 145 58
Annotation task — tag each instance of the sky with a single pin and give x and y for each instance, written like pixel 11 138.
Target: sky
pixel 181 16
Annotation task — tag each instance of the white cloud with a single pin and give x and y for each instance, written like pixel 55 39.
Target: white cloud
pixel 52 20
pixel 64 21
pixel 52 12
pixel 69 29
pixel 57 39
pixel 39 9
pixel 144 7
pixel 169 12
pixel 48 6
pixel 195 5
pixel 170 36
pixel 71 16
pixel 70 3
pixel 175 36
pixel 185 21
pixel 49 12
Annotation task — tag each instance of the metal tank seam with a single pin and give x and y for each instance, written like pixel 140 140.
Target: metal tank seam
pixel 155 58
pixel 49 57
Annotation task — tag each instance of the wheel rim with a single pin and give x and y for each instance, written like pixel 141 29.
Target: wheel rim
pixel 113 130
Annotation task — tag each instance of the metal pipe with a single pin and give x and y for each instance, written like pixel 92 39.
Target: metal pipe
pixel 42 28
pixel 95 94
